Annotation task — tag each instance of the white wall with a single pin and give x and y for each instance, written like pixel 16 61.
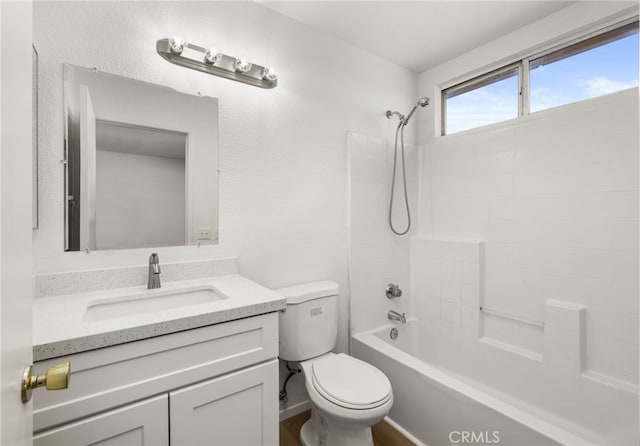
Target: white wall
pixel 140 200
pixel 377 256
pixel 283 157
pixel 555 197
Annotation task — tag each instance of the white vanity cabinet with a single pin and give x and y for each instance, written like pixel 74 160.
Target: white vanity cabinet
pixel 235 409
pixel 215 385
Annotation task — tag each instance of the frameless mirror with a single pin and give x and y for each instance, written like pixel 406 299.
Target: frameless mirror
pixel 141 164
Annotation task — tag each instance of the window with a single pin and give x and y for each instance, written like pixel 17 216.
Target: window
pixel 484 100
pixel 595 66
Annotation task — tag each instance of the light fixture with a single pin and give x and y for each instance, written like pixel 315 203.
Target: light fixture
pixel 214 62
pixel 269 74
pixel 243 65
pixel 176 44
pixel 211 56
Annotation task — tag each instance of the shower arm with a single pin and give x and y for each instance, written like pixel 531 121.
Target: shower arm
pixel 390 113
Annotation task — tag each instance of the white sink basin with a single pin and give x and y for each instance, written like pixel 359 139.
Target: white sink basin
pixel 148 302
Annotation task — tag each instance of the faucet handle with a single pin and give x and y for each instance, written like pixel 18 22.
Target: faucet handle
pixel 392 291
pixel 153 280
pixel 154 261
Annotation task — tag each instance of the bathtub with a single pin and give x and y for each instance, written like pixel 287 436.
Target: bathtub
pixel 508 402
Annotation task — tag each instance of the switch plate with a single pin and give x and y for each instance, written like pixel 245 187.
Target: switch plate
pixel 204 233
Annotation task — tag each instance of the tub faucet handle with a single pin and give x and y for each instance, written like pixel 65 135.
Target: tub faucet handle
pixel 393 290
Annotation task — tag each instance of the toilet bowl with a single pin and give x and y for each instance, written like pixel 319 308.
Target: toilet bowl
pixel 348 396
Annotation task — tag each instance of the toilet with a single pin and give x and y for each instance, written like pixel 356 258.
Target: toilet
pixel 347 395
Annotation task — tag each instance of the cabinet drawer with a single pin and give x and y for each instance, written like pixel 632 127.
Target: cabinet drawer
pixel 142 424
pixel 113 376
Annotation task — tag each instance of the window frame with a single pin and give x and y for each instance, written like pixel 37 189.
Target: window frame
pixel 504 72
pixel 555 52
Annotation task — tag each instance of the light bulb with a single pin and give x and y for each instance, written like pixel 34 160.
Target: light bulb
pixel 243 65
pixel 212 56
pixel 269 74
pixel 176 44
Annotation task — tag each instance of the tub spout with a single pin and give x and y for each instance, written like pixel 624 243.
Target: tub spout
pixel 395 316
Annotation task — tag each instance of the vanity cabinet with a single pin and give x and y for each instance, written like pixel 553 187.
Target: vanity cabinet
pixel 215 385
pixel 235 409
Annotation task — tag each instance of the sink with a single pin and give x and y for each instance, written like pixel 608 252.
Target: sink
pixel 148 302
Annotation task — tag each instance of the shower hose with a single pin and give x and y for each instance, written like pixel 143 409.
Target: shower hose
pixel 399 130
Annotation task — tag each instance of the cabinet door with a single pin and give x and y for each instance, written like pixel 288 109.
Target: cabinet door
pixel 141 424
pixel 240 408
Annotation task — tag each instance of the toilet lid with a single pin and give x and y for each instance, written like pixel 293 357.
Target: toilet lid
pixel 351 383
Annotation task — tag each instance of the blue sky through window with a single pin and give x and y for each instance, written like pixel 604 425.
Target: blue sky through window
pixel 598 71
pixel 485 105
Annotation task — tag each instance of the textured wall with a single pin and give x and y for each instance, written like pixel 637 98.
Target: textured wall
pixel 283 160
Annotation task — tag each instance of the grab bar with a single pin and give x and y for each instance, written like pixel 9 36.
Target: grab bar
pixel 524 320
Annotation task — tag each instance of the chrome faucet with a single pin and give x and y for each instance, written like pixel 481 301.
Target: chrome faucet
pixel 154 272
pixel 395 316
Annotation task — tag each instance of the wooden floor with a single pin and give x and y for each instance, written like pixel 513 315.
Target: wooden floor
pixel 383 433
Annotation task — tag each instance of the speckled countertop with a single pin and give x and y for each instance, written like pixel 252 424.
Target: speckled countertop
pixel 60 325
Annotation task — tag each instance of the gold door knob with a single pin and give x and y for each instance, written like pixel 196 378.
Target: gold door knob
pixel 56 378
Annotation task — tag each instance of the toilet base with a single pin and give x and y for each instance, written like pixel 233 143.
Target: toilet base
pixel 317 432
pixel 308 435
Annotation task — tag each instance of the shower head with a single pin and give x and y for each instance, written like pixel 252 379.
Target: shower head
pixel 422 102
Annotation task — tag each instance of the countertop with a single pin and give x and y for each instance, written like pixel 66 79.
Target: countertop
pixel 60 328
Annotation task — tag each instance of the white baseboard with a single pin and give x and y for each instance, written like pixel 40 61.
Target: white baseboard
pixel 295 409
pixel 404 432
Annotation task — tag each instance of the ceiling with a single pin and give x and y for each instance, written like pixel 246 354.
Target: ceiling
pixel 144 141
pixel 417 35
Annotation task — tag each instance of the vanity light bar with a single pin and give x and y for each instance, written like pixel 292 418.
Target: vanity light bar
pixel 211 61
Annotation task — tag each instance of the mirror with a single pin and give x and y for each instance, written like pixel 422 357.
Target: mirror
pixel 141 164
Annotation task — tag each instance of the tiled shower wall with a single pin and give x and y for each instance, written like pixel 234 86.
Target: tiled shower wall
pixel 447 282
pixel 555 198
pixel 377 256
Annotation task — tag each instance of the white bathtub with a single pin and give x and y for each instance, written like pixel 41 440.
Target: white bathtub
pixel 508 402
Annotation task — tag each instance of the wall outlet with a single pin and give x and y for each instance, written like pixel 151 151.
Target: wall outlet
pixel 204 233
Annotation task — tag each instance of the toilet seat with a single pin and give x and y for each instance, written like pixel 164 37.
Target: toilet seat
pixel 350 383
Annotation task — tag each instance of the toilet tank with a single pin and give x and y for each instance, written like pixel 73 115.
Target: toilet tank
pixel 309 327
